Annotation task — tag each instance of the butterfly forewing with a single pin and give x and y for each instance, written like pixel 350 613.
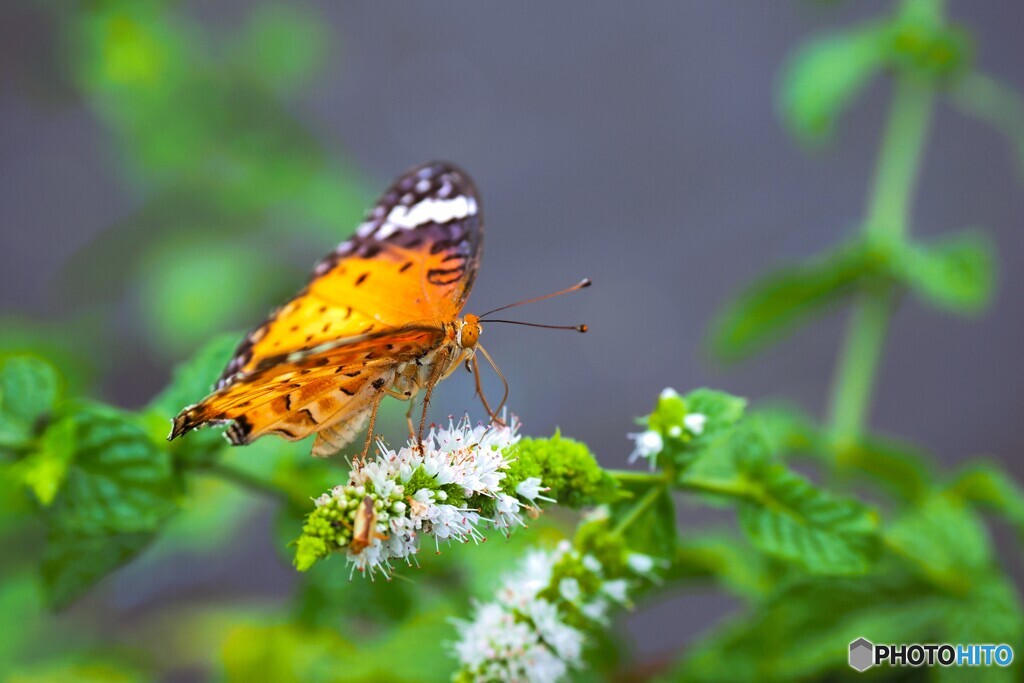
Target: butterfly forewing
pixel 378 300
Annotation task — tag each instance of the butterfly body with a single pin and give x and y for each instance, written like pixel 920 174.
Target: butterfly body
pixel 380 317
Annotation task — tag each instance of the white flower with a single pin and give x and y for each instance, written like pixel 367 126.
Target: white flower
pixel 521 636
pixel 640 563
pixel 472 458
pixel 669 392
pixel 695 423
pixel 530 489
pixel 569 588
pixel 648 445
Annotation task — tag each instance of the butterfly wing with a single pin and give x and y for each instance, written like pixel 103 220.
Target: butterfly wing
pixel 299 393
pixel 378 300
pixel 414 258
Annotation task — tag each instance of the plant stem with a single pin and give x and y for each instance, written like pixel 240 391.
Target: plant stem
pixel 887 220
pixel 638 477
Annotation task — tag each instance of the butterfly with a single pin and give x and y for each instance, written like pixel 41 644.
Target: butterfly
pixel 379 317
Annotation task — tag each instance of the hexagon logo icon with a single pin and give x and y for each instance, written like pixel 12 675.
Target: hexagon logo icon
pixel 862 654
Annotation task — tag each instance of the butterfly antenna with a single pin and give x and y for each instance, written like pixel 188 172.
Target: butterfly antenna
pixel 493 413
pixel 575 328
pixel 582 284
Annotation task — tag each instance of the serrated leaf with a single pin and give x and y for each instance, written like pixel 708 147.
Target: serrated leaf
pixel 944 539
pixel 821 79
pixel 900 468
pixel 956 273
pixel 118 481
pixel 792 519
pixel 720 409
pixel 773 305
pixel 803 630
pixel 721 466
pixel 74 562
pixel 988 485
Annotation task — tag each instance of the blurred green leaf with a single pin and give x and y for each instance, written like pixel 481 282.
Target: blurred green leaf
pixel 989 613
pixel 956 273
pixel 943 539
pixel 824 75
pixel 986 484
pixel 652 530
pixel 78 669
pixel 901 468
pixel 722 411
pixel 997 104
pixel 792 519
pixel 29 390
pixel 790 431
pixel 45 469
pixel 280 46
pixel 195 289
pixel 802 631
pixel 74 562
pixel 774 305
pixel 118 479
pixel 117 491
pixel 726 558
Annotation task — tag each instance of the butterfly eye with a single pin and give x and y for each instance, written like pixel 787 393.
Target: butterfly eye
pixel 469 334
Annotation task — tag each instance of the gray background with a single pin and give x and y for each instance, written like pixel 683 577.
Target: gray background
pixel 634 143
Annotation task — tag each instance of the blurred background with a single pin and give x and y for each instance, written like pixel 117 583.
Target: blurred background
pixel 171 170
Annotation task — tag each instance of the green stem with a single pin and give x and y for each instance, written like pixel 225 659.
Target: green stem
pixel 887 220
pixel 626 476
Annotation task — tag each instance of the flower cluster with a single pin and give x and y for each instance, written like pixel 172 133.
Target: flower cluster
pixel 533 631
pixel 670 420
pixel 449 488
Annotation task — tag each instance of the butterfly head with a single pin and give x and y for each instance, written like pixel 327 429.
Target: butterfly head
pixel 468 331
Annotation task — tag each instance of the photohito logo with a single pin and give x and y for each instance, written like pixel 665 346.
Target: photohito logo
pixel 864 654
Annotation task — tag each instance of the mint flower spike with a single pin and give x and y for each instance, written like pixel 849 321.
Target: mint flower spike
pixel 669 421
pixel 534 629
pixel 441 490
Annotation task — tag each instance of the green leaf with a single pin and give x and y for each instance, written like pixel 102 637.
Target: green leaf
pixel 790 518
pixel 29 390
pixel 721 467
pixel 280 46
pixel 986 484
pixel 190 383
pixel 996 103
pixel 772 306
pixel 194 379
pixel 901 468
pixel 802 631
pixel 45 469
pixel 790 431
pixel 649 518
pixel 943 539
pixel 824 75
pixel 118 479
pixel 956 273
pixel 74 561
pixel 728 559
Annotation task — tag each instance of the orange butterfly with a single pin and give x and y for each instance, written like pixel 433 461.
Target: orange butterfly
pixel 378 318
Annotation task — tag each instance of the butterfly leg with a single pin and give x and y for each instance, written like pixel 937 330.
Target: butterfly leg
pixel 480 391
pixel 373 421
